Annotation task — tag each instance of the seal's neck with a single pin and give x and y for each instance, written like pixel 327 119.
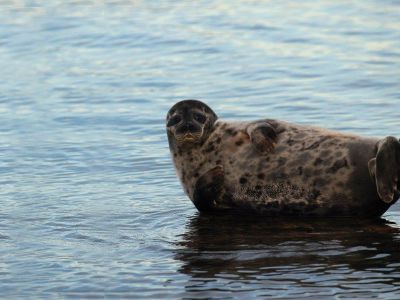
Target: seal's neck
pixel 188 151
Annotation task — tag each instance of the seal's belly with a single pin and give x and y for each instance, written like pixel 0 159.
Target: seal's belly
pixel 307 173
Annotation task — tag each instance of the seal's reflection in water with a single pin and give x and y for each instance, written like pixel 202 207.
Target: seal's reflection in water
pixel 297 257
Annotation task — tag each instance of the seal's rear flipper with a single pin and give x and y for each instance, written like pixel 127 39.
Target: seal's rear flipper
pixel 385 169
pixel 208 189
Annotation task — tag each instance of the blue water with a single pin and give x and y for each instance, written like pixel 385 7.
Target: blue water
pixel 90 203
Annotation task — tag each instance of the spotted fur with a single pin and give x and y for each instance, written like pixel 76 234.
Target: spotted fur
pixel 308 171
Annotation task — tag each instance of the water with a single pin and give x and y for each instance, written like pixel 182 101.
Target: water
pixel 91 206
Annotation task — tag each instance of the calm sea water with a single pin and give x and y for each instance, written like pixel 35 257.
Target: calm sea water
pixel 90 203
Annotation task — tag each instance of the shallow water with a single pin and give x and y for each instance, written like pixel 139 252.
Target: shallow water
pixel 91 206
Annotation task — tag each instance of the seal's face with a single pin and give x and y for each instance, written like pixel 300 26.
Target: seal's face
pixel 189 122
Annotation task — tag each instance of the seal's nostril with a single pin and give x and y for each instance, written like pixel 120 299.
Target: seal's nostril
pixel 189 126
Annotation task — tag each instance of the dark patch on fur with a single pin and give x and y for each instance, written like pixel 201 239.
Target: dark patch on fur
pixel 303 159
pixel 227 198
pixel 300 170
pixel 257 194
pixel 231 131
pixel 313 195
pixel 239 142
pixel 339 164
pixel 340 184
pixel 260 175
pixel 317 143
pixel 291 142
pixel 327 161
pixel 307 173
pixel 325 153
pixel 183 176
pixel 242 180
pixel 218 162
pixel 318 161
pixel 319 182
pixel 281 161
pixel 209 148
pixel 279 175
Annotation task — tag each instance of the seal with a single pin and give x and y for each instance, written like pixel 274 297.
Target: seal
pixel 274 167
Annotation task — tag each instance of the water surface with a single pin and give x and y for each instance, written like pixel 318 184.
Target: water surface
pixel 91 206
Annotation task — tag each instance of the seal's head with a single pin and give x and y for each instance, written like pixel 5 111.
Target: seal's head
pixel 189 122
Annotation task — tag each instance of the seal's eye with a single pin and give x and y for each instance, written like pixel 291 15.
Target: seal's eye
pixel 199 117
pixel 174 120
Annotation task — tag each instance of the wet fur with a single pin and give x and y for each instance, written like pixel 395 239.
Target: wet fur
pixel 309 171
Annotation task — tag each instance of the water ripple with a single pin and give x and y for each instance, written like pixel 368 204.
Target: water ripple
pixel 91 206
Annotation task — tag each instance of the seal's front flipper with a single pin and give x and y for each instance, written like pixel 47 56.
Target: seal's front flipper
pixel 208 189
pixel 385 169
pixel 263 136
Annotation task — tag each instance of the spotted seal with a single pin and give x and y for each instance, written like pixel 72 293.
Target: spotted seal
pixel 278 168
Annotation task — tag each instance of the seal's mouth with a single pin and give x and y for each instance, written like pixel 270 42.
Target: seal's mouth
pixel 188 137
